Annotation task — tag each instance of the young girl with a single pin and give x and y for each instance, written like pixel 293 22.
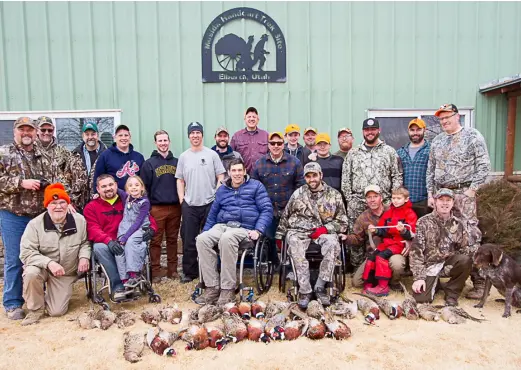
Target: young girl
pixel 130 231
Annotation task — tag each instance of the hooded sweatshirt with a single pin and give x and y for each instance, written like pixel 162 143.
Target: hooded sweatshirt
pixel 158 174
pixel 118 164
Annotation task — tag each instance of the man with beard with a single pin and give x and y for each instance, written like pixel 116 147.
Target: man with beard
pixel 158 174
pixel 199 174
pixel 345 142
pixel 250 142
pixel 371 163
pixel 315 212
pixel 310 134
pixel 414 158
pixel 221 147
pixel 66 167
pixel 23 173
pixel 89 152
pixel 292 145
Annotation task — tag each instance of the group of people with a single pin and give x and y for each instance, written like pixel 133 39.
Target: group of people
pixel 374 200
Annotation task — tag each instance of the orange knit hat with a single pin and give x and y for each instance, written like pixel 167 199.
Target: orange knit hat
pixel 54 192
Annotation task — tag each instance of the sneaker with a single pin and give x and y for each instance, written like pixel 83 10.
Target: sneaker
pixel 32 317
pixel 119 294
pixel 15 313
pixel 187 279
pixel 322 296
pixel 210 296
pixel 226 296
pixel 303 300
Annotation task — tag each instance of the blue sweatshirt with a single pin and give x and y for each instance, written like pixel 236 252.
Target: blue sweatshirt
pixel 118 164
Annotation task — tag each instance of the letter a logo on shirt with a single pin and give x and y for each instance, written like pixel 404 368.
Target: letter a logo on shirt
pixel 130 168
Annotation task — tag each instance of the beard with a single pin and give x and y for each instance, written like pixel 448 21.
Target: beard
pixel 26 141
pixel 222 144
pixel 372 141
pixel 416 138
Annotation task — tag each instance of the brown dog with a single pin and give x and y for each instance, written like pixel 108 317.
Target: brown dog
pixel 501 271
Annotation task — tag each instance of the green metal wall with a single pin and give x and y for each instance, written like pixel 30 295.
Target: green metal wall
pixel 342 58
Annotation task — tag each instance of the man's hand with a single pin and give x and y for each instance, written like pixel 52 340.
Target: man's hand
pixel 313 156
pixel 418 286
pixel 148 234
pixel 470 193
pixel 95 196
pixel 430 202
pixel 343 236
pixel 71 208
pixel 253 234
pixel 400 227
pixel 83 265
pixel 316 232
pixel 31 184
pixel 56 269
pixel 371 229
pixel 406 249
pixel 115 248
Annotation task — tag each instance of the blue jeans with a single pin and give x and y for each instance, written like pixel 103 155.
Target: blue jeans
pixel 108 261
pixel 12 228
pixel 270 235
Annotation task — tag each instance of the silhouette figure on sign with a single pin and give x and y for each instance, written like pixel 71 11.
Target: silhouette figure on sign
pixel 234 53
pixel 258 54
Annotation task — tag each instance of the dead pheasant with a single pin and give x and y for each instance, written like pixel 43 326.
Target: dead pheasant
pixel 106 319
pixel 274 307
pixel 215 331
pixel 345 308
pixel 392 310
pixel 338 329
pixel 235 327
pixel 171 313
pixel 275 325
pixel 257 309
pixel 296 328
pixel 256 330
pixel 428 312
pixel 151 315
pixel 86 320
pixel 160 341
pixel 245 310
pixel 231 308
pixel 209 313
pixel 369 309
pixel 410 307
pixel 196 336
pixel 460 312
pixel 316 310
pixel 451 317
pixel 317 329
pixel 133 346
pixel 125 319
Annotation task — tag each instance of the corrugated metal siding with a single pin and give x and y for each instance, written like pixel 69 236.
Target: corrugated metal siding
pixel 343 58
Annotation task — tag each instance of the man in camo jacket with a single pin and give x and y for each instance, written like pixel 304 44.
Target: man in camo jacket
pixel 459 161
pixel 315 212
pixel 371 163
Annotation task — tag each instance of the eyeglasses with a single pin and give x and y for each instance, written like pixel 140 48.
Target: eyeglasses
pixel 47 130
pixel 345 137
pixel 276 143
pixel 441 119
pixel 61 204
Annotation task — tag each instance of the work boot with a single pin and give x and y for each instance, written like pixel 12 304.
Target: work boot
pixel 303 300
pixel 226 296
pixel 476 292
pixel 32 317
pixel 15 313
pixel 449 301
pixel 322 296
pixel 209 296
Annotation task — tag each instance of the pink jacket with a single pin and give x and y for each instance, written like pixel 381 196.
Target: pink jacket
pixel 251 145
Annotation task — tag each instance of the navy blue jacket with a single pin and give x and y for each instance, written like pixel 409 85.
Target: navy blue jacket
pixel 118 164
pixel 249 205
pixel 158 174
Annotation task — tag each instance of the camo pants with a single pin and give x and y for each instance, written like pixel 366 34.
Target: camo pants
pixel 298 244
pixel 355 206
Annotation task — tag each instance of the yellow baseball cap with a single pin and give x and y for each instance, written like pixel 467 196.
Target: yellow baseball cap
pixel 291 128
pixel 310 129
pixel 323 137
pixel 418 122
pixel 276 133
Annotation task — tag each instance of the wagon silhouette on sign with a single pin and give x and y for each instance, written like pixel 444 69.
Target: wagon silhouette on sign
pixel 234 54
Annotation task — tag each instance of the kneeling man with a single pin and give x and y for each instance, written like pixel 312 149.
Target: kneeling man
pixel 241 210
pixel 440 249
pixel 315 212
pixel 54 250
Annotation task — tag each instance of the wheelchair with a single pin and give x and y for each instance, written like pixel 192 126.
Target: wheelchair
pixel 314 257
pixel 254 255
pixel 97 281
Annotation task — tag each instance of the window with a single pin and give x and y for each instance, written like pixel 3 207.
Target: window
pixel 68 124
pixel 394 123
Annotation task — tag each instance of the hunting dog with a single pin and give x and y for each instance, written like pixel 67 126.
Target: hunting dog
pixel 501 271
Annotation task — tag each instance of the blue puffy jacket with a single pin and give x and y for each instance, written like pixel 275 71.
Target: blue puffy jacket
pixel 249 205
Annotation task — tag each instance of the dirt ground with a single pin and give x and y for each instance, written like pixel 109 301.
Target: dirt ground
pixel 57 343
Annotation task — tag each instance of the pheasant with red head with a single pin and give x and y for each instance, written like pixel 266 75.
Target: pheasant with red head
pixel 231 308
pixel 296 327
pixel 392 310
pixel 215 331
pixel 160 341
pixel 256 330
pixel 369 309
pixel 317 329
pixel 257 309
pixel 275 326
pixel 338 329
pixel 151 315
pixel 235 327
pixel 245 310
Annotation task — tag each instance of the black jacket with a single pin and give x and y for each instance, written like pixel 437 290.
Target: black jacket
pixel 79 150
pixel 302 153
pixel 332 170
pixel 158 174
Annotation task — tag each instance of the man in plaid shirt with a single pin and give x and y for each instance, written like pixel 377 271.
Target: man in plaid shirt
pixel 281 174
pixel 414 158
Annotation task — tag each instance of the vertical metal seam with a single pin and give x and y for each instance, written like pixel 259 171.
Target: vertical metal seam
pixel 372 58
pixel 93 56
pixel 27 67
pixel 288 90
pixel 308 62
pixel 350 103
pixel 179 75
pixel 393 59
pixel 71 62
pixel 49 56
pixel 414 53
pixel 497 40
pixel 435 85
pixel 115 86
pixel 330 100
pixel 456 55
pixel 243 84
pixel 201 34
pixel 6 73
pixel 138 84
pixel 266 87
pixel 159 64
pixel 223 85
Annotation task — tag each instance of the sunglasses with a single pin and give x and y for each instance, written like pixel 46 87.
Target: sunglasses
pixel 47 130
pixel 276 143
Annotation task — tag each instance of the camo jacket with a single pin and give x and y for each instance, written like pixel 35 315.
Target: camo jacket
pixel 17 165
pixel 378 166
pixel 307 210
pixel 435 241
pixel 458 158
pixel 68 169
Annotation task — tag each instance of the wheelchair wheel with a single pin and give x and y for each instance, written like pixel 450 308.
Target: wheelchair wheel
pixel 262 267
pixel 283 270
pixel 154 298
pixel 340 272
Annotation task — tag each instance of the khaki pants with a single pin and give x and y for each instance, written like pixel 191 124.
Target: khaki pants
pixel 228 240
pixel 396 263
pixel 57 295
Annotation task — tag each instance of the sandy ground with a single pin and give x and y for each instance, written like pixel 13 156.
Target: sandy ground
pixel 56 343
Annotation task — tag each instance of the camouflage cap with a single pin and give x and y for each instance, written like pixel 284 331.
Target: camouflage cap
pixel 44 120
pixel 345 129
pixel 446 108
pixel 24 121
pixel 444 191
pixel 221 129
pixel 312 167
pixel 310 129
pixel 374 188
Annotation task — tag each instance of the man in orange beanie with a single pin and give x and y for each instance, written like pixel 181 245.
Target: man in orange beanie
pixel 54 250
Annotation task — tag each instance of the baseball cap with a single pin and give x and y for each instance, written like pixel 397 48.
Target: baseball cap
pixel 275 133
pixel 373 188
pixel 291 128
pixel 345 129
pixel 323 137
pixel 418 122
pixel 122 127
pixel 446 108
pixel 370 123
pixel 312 167
pixel 89 126
pixel 195 126
pixel 221 129
pixel 44 120
pixel 444 191
pixel 310 129
pixel 24 121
